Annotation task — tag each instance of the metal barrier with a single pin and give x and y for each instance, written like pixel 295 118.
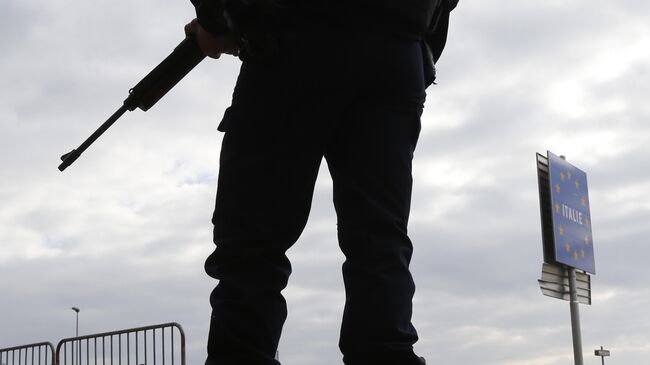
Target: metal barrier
pixel 35 354
pixel 136 346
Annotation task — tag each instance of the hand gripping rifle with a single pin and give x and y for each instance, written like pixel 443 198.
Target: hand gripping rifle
pixel 149 90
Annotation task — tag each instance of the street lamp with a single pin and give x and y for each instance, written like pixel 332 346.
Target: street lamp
pixel 77 311
pixel 76 335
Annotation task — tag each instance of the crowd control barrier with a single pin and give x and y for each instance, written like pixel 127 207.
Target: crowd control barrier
pixel 162 344
pixel 34 354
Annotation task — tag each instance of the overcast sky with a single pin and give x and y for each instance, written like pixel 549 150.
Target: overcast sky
pixel 123 233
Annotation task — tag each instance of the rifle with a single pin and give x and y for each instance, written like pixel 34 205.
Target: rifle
pixel 149 90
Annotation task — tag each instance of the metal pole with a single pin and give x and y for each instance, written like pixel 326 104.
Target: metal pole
pixel 78 342
pixel 77 327
pixel 77 353
pixel 575 318
pixel 602 357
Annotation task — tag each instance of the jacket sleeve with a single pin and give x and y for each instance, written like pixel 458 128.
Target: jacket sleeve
pixel 436 36
pixel 435 39
pixel 211 16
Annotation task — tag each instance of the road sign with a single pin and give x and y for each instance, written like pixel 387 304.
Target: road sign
pixel 566 237
pixel 571 216
pixel 554 283
pixel 601 352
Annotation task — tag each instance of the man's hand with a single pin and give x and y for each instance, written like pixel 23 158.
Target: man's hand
pixel 210 45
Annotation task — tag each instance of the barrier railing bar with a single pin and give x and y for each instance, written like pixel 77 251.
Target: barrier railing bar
pixel 135 339
pixel 145 346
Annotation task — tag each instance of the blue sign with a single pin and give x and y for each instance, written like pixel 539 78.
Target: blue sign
pixel 574 244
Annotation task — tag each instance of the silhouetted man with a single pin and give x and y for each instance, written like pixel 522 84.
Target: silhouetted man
pixel 344 80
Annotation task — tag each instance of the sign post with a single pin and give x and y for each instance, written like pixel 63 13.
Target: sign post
pixel 602 353
pixel 575 318
pixel 567 237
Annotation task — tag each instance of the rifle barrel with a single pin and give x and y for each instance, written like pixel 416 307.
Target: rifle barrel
pixel 71 156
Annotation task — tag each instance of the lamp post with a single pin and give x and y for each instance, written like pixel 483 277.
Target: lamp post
pixel 76 335
pixel 77 327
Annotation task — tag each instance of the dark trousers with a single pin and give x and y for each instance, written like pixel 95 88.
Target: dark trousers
pixel 354 97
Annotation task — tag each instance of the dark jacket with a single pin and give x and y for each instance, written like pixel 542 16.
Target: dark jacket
pixel 406 17
pixel 253 21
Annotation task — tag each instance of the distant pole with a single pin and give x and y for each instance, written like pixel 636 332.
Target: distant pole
pixel 602 358
pixel 575 318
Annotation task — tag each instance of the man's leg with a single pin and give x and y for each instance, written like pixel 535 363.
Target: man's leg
pixel 267 173
pixel 372 205
pixel 370 163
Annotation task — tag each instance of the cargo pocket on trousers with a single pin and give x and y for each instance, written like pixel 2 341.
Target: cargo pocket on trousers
pixel 229 119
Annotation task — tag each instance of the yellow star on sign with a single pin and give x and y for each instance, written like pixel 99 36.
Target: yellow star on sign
pixel 569 174
pixel 557 208
pixel 557 188
pixel 575 255
pixel 588 222
pixel 587 240
pixel 561 230
pixel 582 253
pixel 583 200
pixel 562 176
pixel 567 247
pixel 577 184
